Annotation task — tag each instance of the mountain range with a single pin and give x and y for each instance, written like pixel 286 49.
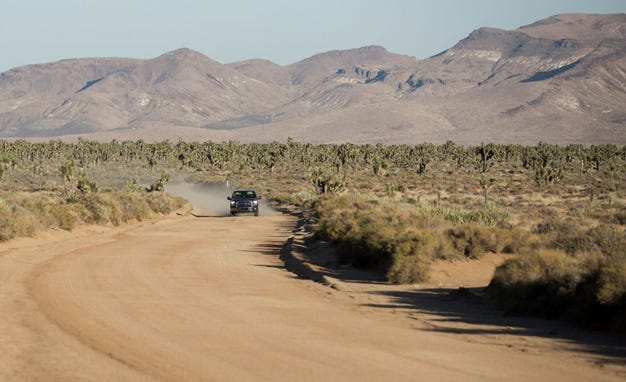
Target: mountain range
pixel 559 80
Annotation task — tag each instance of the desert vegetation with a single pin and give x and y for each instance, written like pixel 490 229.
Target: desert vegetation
pixel 557 212
pixel 54 191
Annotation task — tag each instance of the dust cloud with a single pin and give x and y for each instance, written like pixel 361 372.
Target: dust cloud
pixel 209 199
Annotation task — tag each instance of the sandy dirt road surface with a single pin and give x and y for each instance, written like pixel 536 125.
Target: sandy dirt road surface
pixel 208 299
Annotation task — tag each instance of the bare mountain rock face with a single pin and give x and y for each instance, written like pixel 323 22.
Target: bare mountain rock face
pixel 561 80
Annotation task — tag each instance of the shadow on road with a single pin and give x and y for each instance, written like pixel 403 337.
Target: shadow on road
pixel 197 215
pixel 466 311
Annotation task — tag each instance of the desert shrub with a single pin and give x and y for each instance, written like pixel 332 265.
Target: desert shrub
pixel 325 183
pixel 118 207
pixel 23 221
pixel 472 240
pixel 574 238
pixel 554 225
pixel 571 271
pixel 608 240
pixel 15 221
pixel 444 249
pixel 493 215
pixel 586 285
pixel 455 215
pixel 133 206
pixel 517 241
pixel 543 282
pixel 45 210
pixel 63 216
pixel 402 239
pixel 162 203
pixel 381 235
pixel 469 240
pixel 612 281
pixel 619 217
pixel 335 219
pixel 411 259
pixel 159 184
pixel 23 213
pixel 8 230
pixel 364 240
pixel 97 211
pixel 341 221
pixel 490 215
pixel 111 205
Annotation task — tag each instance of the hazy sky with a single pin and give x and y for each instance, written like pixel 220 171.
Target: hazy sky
pixel 284 31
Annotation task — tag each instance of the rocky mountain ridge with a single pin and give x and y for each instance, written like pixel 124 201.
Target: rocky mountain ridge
pixel 560 80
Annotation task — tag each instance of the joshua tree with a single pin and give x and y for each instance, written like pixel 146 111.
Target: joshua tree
pixel 159 184
pixel 487 184
pixel 67 172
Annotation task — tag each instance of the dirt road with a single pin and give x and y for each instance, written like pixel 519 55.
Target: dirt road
pixel 207 299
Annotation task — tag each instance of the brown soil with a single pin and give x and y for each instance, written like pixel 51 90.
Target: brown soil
pixel 207 298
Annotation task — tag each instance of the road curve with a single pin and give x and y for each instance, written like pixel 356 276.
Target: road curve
pixel 207 299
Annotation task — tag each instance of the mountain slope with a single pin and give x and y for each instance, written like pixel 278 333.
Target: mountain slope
pixel 182 87
pixel 561 79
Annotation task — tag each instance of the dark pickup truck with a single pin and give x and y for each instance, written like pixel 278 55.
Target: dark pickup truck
pixel 244 201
